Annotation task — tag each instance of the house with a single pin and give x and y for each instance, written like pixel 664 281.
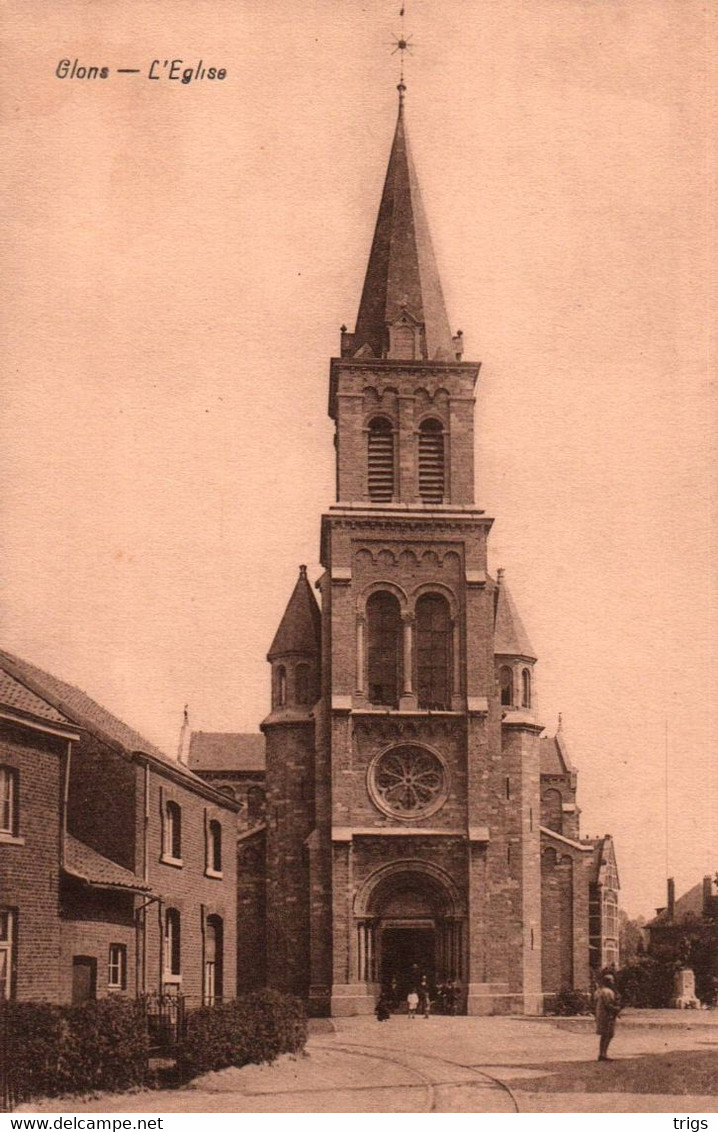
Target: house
pixel 117 863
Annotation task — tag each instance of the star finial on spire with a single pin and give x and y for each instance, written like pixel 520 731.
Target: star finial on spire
pixel 402 44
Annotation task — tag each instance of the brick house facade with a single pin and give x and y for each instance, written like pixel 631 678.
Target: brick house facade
pixel 416 823
pixel 117 864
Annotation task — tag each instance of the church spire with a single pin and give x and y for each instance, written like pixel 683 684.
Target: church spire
pixel 402 312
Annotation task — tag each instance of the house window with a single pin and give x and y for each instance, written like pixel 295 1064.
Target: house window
pixel 8 801
pixel 526 688
pixel 385 648
pixel 172 952
pixel 431 462
pixel 433 645
pixel 214 847
pixel 117 967
pixel 213 949
pixel 172 848
pixel 280 695
pixel 381 461
pixel 303 684
pixel 506 684
pixel 7 930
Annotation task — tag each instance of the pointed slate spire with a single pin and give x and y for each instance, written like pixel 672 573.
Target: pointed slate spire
pixel 402 278
pixel 510 637
pixel 299 629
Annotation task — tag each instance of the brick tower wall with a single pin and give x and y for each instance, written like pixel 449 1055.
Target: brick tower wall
pixel 290 820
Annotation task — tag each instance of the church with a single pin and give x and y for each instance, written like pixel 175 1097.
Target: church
pixel 403 815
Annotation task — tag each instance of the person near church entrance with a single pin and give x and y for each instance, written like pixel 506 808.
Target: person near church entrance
pixel 607 1010
pixel 394 998
pixel 424 996
pixel 412 1001
pixel 383 1008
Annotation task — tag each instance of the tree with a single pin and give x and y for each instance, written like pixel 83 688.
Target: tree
pixel 631 937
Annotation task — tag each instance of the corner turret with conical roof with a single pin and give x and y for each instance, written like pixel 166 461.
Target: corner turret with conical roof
pixel 295 653
pixel 290 776
pixel 514 653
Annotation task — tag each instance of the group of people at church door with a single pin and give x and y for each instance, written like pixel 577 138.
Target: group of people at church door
pixel 418 1001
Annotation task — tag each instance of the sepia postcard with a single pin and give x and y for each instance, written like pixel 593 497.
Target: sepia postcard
pixel 357 462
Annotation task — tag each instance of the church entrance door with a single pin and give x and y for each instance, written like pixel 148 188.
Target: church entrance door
pixel 408 954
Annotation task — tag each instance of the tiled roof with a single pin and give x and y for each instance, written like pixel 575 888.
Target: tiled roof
pixel 78 707
pixel 300 627
pixel 226 750
pixel 14 694
pixel 87 864
pixel 690 902
pixel 554 755
pixel 603 854
pixel 510 637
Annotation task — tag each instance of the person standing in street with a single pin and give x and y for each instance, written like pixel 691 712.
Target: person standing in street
pixel 412 1001
pixel 607 1011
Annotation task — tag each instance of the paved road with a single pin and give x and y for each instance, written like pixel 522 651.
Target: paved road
pixel 435 1065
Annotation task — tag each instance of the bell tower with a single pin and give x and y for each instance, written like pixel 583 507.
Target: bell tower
pixel 423 842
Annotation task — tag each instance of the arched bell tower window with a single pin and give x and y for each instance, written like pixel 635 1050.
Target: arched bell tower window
pixel 303 684
pixel 506 684
pixel 280 687
pixel 385 648
pixel 431 462
pixel 381 460
pixel 433 645
pixel 526 688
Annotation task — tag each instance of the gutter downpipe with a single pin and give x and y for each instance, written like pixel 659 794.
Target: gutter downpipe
pixel 65 801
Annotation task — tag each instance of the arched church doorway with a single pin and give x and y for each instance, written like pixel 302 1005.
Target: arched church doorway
pixel 410 928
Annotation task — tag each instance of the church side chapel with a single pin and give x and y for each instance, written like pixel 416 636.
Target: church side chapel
pixel 414 822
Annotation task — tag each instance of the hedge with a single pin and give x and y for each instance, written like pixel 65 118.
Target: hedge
pixel 255 1028
pixel 568 1003
pixel 56 1049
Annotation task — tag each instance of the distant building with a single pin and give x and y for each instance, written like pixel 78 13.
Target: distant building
pixel 697 906
pixel 117 864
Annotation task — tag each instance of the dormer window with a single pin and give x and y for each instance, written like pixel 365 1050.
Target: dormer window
pixel 402 341
pixel 380 461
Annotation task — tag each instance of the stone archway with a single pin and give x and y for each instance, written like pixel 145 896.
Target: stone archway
pixel 410 924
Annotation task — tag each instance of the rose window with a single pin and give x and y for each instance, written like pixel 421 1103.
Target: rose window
pixel 408 782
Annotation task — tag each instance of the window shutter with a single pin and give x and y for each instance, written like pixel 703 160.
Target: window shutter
pixel 381 462
pixel 431 463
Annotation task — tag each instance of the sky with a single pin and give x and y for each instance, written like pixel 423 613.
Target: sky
pixel 178 261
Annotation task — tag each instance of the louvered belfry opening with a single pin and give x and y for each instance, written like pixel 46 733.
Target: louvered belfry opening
pixel 381 461
pixel 431 462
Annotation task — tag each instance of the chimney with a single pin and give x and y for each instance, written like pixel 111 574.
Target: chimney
pixel 184 738
pixel 670 909
pixel 707 895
